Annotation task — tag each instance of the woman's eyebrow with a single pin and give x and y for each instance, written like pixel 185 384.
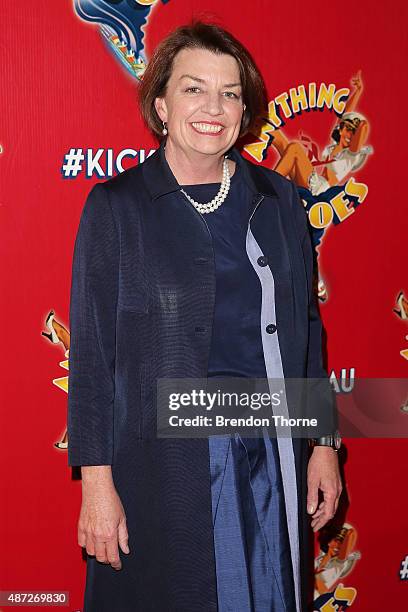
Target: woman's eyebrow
pixel 194 78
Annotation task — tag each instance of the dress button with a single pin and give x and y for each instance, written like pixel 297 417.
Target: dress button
pixel 263 260
pixel 271 328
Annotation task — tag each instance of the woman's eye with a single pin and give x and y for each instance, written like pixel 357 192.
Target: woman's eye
pixel 231 94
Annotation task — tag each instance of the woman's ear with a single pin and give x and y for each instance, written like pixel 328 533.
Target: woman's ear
pixel 161 108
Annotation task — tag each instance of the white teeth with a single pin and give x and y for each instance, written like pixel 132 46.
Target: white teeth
pixel 207 127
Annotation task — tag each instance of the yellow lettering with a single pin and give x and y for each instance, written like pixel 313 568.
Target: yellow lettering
pixel 312 95
pixel 340 205
pixel 288 104
pixel 298 98
pixel 358 190
pixel 338 103
pixel 320 215
pixel 329 606
pixel 345 593
pixel 326 95
pixel 257 149
pixel 282 101
pixel 273 115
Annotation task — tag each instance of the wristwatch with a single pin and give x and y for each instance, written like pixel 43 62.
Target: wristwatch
pixel 332 440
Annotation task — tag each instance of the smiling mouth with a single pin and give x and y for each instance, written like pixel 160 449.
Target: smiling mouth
pixel 207 128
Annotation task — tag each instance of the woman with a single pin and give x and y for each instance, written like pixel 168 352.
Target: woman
pixel 166 287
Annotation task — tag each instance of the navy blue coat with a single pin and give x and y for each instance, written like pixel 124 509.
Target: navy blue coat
pixel 142 302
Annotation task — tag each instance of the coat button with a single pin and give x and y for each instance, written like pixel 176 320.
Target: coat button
pixel 263 260
pixel 271 328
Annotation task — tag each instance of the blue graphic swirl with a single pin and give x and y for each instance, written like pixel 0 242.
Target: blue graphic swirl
pixel 125 17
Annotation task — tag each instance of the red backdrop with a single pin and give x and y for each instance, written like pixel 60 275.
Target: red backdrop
pixel 62 87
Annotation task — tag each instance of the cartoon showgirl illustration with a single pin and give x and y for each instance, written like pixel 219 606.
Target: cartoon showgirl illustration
pixel 121 24
pixel 402 312
pixel 335 561
pixel 59 334
pixel 300 159
pixel 346 153
pixel 402 306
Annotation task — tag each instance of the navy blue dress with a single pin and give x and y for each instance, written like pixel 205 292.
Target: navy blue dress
pixel 251 543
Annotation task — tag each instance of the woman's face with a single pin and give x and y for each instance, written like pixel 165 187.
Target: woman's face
pixel 346 135
pixel 203 103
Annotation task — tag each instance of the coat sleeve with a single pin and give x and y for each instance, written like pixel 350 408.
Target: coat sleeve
pixel 92 321
pixel 320 388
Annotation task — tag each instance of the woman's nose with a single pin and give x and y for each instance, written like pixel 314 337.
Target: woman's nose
pixel 213 104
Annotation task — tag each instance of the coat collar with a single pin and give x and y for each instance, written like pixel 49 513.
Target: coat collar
pixel 160 180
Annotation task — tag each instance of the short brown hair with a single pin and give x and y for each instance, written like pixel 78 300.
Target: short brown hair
pixel 200 35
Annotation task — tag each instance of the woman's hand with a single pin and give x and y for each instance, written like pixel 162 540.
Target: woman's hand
pixel 357 80
pixel 323 473
pixel 102 520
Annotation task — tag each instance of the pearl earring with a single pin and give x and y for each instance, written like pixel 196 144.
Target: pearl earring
pixel 164 130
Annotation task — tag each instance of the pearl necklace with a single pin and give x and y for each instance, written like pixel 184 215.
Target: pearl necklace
pixel 221 195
